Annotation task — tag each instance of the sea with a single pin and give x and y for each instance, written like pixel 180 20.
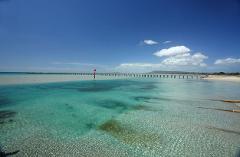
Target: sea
pixel 140 117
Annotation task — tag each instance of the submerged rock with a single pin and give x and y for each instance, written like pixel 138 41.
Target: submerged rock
pixel 6 154
pixel 5 115
pixel 112 126
pixel 128 135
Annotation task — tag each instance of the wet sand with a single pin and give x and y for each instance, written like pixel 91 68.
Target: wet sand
pixel 47 78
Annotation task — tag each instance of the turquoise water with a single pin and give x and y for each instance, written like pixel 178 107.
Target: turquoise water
pixel 154 117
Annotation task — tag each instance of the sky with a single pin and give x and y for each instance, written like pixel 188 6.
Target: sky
pixel 119 35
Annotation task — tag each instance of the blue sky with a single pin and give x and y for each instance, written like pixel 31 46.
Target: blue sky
pixel 119 35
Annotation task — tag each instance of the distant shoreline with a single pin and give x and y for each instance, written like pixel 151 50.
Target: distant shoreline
pixel 232 78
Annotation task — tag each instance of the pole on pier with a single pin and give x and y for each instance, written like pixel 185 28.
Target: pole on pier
pixel 94 73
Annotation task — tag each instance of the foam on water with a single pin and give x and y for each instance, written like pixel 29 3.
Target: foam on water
pixel 157 117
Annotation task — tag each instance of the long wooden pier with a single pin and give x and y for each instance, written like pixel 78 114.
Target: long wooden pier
pixel 146 75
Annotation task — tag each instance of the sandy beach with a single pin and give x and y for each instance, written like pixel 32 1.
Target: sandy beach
pixel 47 78
pixel 223 78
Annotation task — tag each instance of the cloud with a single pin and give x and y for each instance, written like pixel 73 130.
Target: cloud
pixel 172 51
pixel 150 42
pixel 181 56
pixel 196 59
pixel 227 61
pixel 167 42
pixel 174 58
pixel 187 59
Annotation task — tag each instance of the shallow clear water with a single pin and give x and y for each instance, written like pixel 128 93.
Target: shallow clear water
pixel 154 117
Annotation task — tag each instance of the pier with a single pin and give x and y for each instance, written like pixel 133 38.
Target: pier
pixel 146 75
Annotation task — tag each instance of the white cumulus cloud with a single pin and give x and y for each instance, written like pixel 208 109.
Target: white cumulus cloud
pixel 174 58
pixel 172 51
pixel 187 59
pixel 150 42
pixel 227 61
pixel 177 61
